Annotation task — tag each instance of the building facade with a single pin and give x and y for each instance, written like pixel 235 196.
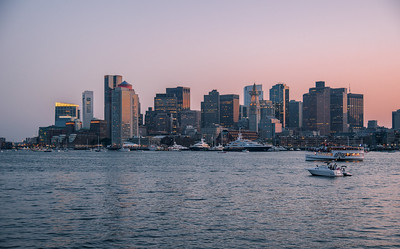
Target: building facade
pixel 182 97
pixel 316 109
pixel 296 114
pixel 355 111
pixel 279 95
pixel 210 109
pixel 339 110
pixel 110 83
pixel 87 108
pixel 396 120
pixel 65 112
pixel 254 110
pixel 125 114
pixel 247 96
pixel 229 110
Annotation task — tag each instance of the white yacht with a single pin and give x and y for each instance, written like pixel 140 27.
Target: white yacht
pixel 241 144
pixel 203 146
pixel 330 169
pixel 177 147
pixel 343 153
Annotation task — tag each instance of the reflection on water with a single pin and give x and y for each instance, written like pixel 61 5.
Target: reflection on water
pixel 195 199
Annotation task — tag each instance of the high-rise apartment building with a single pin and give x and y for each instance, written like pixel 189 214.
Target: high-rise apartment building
pixel 65 112
pixel 125 114
pixel 279 95
pixel 296 114
pixel 210 109
pixel 247 96
pixel 87 108
pixel 316 109
pixel 110 82
pixel 339 110
pixel 355 111
pixel 254 109
pixel 396 120
pixel 229 110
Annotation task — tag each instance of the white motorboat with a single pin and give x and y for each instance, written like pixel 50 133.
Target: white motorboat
pixel 344 153
pixel 177 147
pixel 330 169
pixel 241 144
pixel 203 146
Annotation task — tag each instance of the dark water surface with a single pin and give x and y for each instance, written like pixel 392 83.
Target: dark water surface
pixel 82 199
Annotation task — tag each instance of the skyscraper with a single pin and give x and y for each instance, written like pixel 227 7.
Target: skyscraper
pixel 296 114
pixel 316 109
pixel 65 112
pixel 229 110
pixel 246 94
pixel 279 95
pixel 210 109
pixel 355 111
pixel 182 96
pixel 254 110
pixel 168 104
pixel 125 114
pixel 396 120
pixel 339 110
pixel 110 82
pixel 87 108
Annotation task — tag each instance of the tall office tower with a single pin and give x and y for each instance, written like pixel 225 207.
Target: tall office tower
pixel 65 112
pixel 110 82
pixel 246 94
pixel 339 110
pixel 279 95
pixel 355 111
pixel 316 109
pixel 167 103
pixel 210 109
pixel 267 109
pixel 296 114
pixel 254 110
pixel 229 110
pixel 182 96
pixel 191 118
pixel 396 120
pixel 87 108
pixel 125 114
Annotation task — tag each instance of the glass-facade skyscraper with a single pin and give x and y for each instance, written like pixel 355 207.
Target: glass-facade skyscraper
pixel 229 110
pixel 210 109
pixel 355 111
pixel 279 95
pixel 87 108
pixel 110 82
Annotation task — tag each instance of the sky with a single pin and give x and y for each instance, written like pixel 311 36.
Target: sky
pixel 52 51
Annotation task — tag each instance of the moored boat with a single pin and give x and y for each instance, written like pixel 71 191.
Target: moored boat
pixel 343 153
pixel 200 146
pixel 241 144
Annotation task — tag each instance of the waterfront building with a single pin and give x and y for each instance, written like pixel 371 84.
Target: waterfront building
pixel 110 83
pixel 396 120
pixel 229 110
pixel 65 112
pixel 87 108
pixel 247 96
pixel 316 109
pixel 254 110
pixel 355 111
pixel 338 123
pixel 99 127
pixel 296 114
pixel 210 110
pixel 279 95
pixel 125 114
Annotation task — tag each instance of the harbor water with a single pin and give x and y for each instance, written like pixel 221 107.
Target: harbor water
pixel 79 199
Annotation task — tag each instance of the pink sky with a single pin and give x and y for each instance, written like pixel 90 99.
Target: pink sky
pixel 54 50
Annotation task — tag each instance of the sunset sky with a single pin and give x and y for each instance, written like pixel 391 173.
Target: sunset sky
pixel 52 51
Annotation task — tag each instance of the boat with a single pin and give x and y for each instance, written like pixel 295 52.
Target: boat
pixel 177 147
pixel 200 146
pixel 241 144
pixel 330 169
pixel 343 153
pixel 218 148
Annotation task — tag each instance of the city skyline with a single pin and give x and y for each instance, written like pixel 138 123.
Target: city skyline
pixel 49 57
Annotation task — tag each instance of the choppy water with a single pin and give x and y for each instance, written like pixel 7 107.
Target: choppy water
pixel 195 200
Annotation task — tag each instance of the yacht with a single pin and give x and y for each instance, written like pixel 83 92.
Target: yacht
pixel 330 169
pixel 177 147
pixel 241 144
pixel 343 153
pixel 203 146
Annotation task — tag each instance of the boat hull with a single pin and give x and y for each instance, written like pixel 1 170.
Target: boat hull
pixel 325 172
pixel 252 149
